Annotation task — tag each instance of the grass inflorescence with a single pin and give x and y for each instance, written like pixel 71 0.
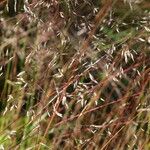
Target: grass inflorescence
pixel 75 74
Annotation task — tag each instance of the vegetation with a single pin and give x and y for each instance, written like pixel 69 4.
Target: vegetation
pixel 75 74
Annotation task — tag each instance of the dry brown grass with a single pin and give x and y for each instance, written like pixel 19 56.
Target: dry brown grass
pixel 75 75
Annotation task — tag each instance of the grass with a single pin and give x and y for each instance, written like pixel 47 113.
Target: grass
pixel 74 75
